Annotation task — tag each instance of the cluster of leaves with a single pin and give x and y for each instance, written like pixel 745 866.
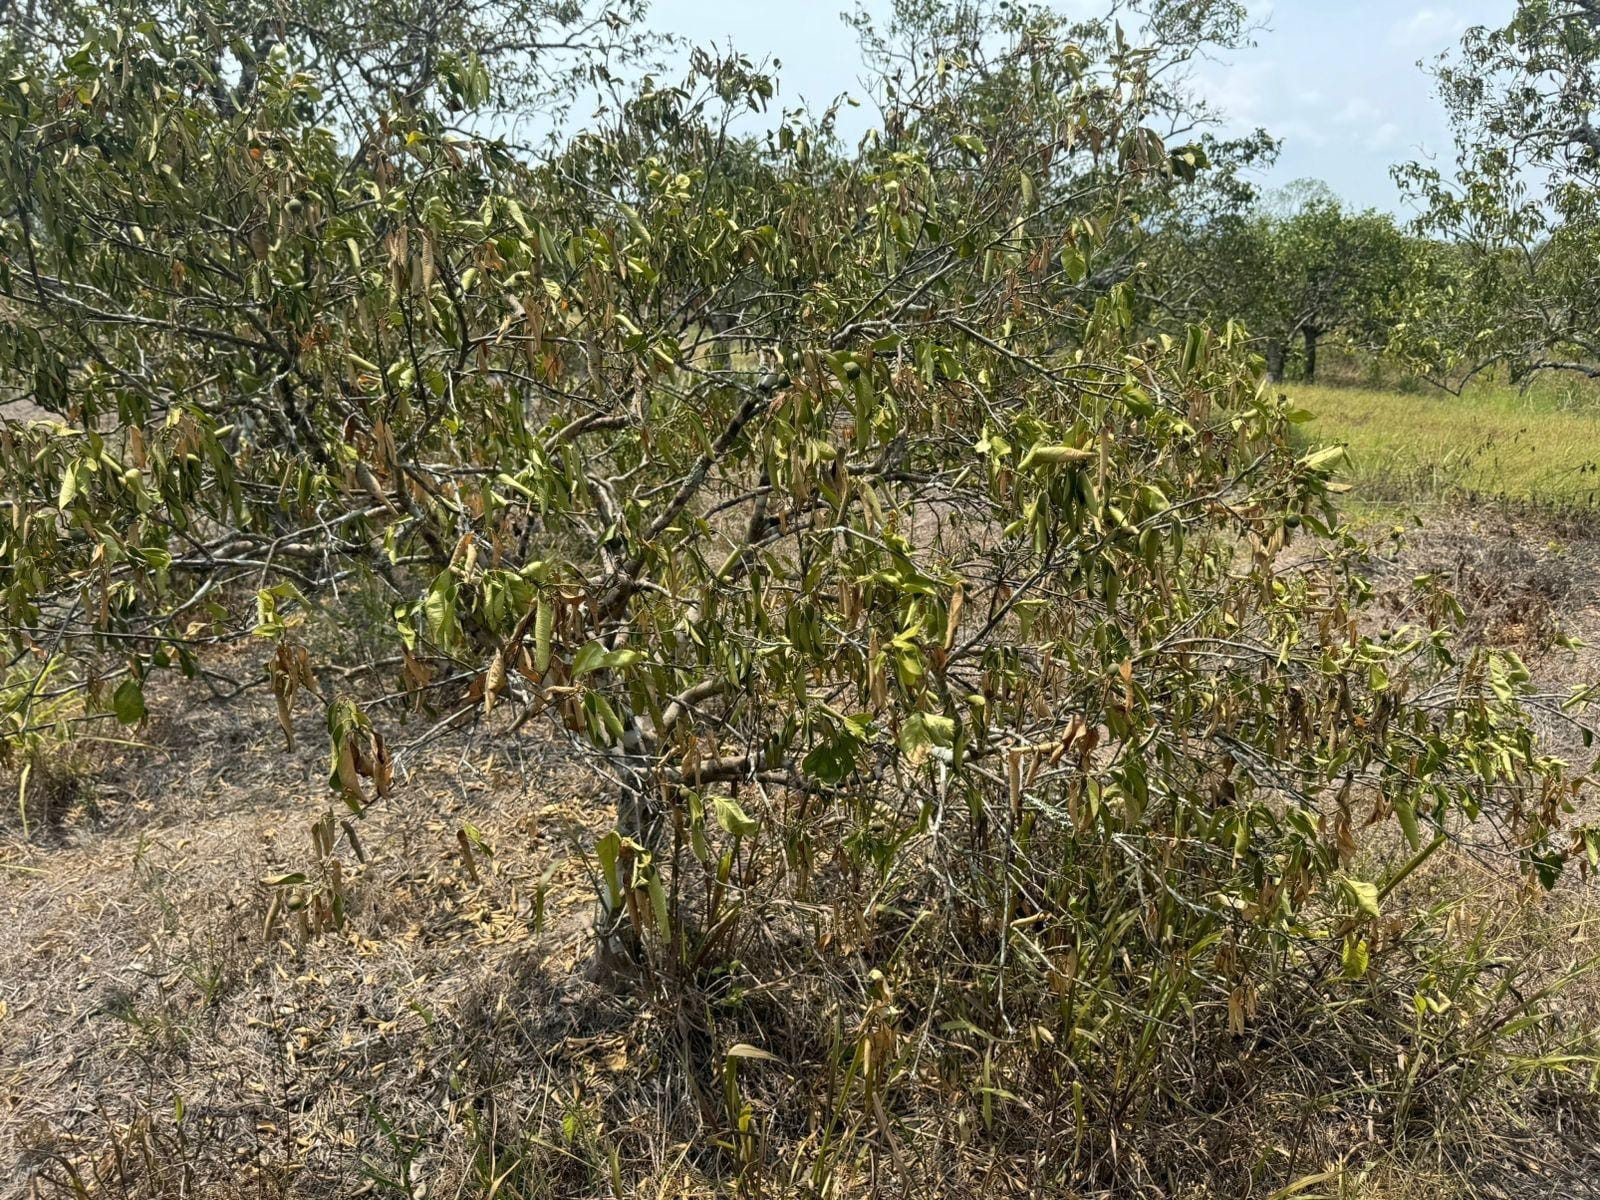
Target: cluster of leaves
pixel 1513 286
pixel 932 623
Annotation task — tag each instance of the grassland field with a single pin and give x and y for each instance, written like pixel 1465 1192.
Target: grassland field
pixel 1530 448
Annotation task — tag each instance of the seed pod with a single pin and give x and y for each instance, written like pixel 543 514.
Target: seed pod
pixel 494 681
pixel 953 618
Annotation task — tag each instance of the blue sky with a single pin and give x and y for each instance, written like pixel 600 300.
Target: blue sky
pixel 1336 79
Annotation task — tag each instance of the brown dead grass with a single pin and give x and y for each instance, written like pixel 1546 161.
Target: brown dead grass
pixel 136 981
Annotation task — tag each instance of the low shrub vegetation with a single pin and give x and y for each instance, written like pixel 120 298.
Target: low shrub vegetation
pixel 1001 779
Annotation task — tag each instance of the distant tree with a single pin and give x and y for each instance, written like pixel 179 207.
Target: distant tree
pixel 1299 267
pixel 1520 289
pixel 1178 281
pixel 506 60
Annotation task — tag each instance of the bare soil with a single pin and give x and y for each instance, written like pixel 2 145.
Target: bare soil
pixel 137 984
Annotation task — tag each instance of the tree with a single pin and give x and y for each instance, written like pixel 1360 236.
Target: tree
pixel 506 59
pixel 1520 211
pixel 1300 268
pixel 937 644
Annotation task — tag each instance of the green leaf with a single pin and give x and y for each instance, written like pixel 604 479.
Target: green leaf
pixel 733 818
pixel 69 486
pixel 518 217
pixel 658 902
pixel 1356 957
pixel 1361 894
pixel 128 702
pixel 924 731
pixel 1325 459
pixel 268 623
pixel 607 851
pixel 590 657
pixel 543 626
pixel 439 609
pixel 832 761
pixel 1057 456
pixel 1406 811
pixel 593 656
pixel 1549 866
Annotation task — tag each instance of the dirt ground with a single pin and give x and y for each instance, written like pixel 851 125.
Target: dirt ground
pixel 153 1030
pixel 137 984
pixel 1524 583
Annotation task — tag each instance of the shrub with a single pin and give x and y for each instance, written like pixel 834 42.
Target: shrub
pixel 934 627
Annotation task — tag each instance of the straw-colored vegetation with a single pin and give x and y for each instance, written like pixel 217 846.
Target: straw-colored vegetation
pixel 1539 448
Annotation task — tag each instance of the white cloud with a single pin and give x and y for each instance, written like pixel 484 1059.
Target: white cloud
pixel 1384 137
pixel 1239 94
pixel 1300 133
pixel 1432 28
pixel 1358 110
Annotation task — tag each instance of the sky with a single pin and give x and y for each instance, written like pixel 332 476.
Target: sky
pixel 1337 80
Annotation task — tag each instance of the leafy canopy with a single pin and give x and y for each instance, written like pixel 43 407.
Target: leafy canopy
pixel 1520 213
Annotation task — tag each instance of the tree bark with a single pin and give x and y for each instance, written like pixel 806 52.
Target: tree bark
pixel 1311 336
pixel 1275 357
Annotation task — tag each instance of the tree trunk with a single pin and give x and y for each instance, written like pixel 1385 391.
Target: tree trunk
pixel 639 822
pixel 1311 354
pixel 1275 357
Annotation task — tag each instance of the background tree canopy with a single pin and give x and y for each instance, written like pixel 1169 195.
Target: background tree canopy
pixel 1294 267
pixel 1518 214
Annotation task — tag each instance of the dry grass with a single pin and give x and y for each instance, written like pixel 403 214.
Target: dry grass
pixel 1540 448
pixel 138 984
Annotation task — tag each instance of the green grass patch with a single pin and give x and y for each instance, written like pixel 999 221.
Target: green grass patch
pixel 1492 443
